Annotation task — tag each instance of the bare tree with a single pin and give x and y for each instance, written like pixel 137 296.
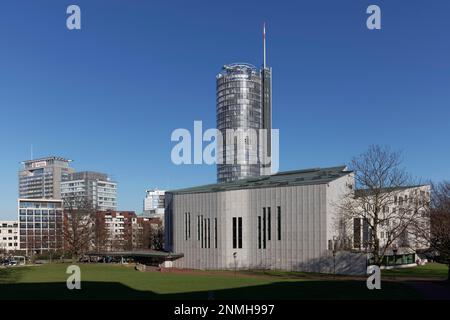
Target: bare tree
pixel 100 232
pixel 439 214
pixel 382 203
pixel 157 237
pixel 78 226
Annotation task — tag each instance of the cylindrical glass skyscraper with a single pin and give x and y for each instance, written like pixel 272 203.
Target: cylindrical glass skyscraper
pixel 239 108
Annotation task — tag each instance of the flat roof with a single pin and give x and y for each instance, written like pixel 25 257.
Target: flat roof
pixel 47 158
pixel 287 178
pixel 39 200
pixel 139 253
pixel 366 192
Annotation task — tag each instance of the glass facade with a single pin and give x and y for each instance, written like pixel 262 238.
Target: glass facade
pixel 41 178
pixel 94 187
pixel 40 225
pixel 239 102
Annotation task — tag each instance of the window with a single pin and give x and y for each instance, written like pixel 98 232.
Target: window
pixel 185 226
pixel 201 228
pixel 269 224
pixel 264 228
pixel 209 234
pixel 198 228
pixel 259 232
pixel 189 225
pixel 234 233
pixel 240 233
pixel 205 233
pixel 357 233
pixel 279 222
pixel 215 233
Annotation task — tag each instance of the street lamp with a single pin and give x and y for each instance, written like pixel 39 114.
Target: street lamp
pixel 394 250
pixel 334 262
pixel 235 262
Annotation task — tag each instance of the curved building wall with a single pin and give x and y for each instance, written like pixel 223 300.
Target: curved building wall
pixel 238 107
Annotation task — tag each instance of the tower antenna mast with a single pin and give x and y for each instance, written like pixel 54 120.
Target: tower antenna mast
pixel 264 45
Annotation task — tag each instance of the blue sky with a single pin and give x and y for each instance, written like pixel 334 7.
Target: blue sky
pixel 109 96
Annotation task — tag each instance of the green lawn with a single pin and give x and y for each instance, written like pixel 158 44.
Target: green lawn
pixel 432 271
pixel 100 281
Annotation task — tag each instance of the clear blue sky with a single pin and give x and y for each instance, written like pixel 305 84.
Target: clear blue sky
pixel 110 95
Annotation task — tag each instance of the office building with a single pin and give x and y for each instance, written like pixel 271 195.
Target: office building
pixel 244 102
pixel 90 187
pixel 284 221
pixel 154 203
pixel 40 225
pixel 118 226
pixel 398 202
pixel 41 178
pixel 9 236
pixel 142 230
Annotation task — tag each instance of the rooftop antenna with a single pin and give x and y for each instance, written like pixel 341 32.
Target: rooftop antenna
pixel 264 45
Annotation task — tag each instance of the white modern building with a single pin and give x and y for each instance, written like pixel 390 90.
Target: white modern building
pixel 400 203
pixel 9 236
pixel 154 203
pixel 94 187
pixel 284 221
pixel 40 225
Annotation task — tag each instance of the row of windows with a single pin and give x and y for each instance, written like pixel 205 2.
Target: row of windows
pixel 44 212
pixel 39 219
pixel 203 230
pixel 26 204
pixel 265 227
pixel 9 238
pixel 39 225
pixel 247 83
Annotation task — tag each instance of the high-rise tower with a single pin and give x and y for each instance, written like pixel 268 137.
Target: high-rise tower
pixel 41 178
pixel 244 102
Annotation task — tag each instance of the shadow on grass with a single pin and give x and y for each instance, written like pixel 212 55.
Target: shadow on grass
pixel 11 275
pixel 277 290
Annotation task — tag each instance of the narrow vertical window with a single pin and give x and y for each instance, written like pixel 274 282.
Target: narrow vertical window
pixel 269 224
pixel 198 228
pixel 259 232
pixel 215 233
pixel 264 228
pixel 240 233
pixel 279 222
pixel 185 226
pixel 206 232
pixel 357 233
pixel 209 234
pixel 234 233
pixel 201 228
pixel 189 225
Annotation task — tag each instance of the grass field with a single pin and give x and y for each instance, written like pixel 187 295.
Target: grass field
pixel 101 281
pixel 432 271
